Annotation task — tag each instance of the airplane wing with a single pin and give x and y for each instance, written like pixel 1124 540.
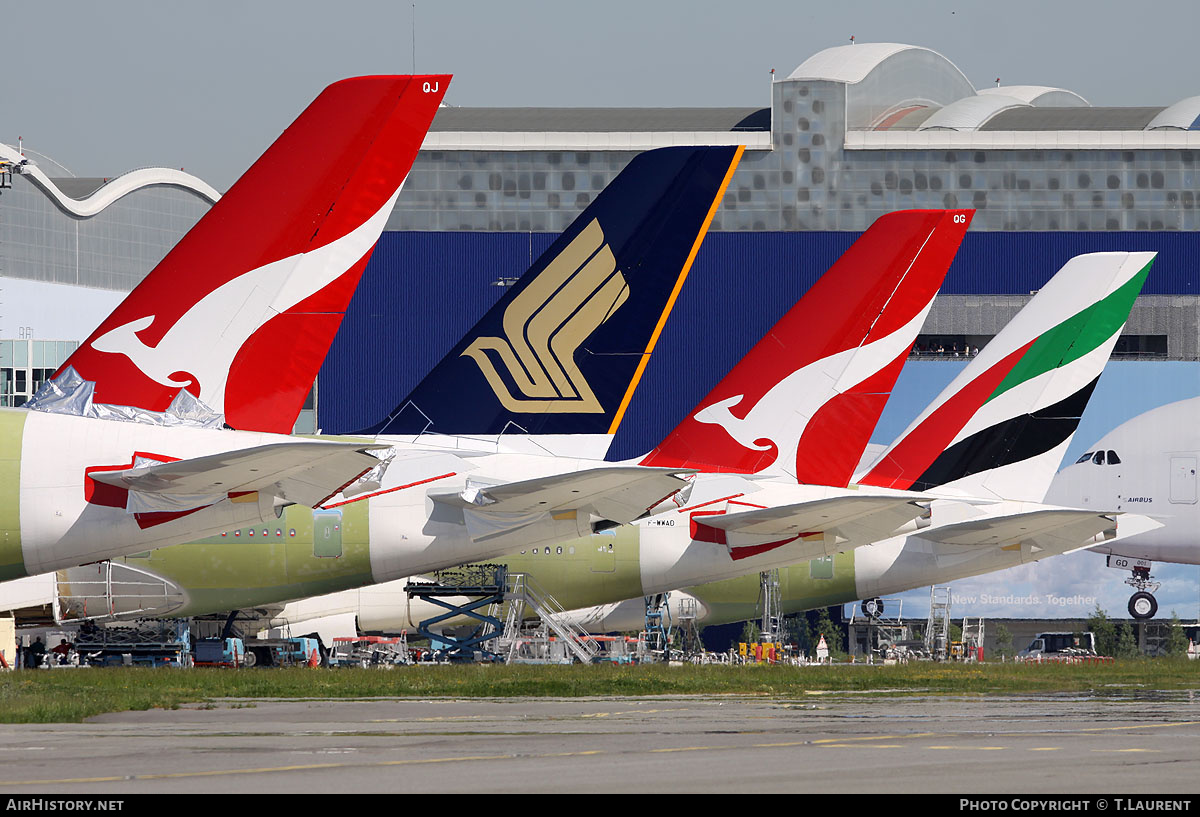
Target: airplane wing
pixel 620 494
pixel 302 472
pixel 1054 530
pixel 858 519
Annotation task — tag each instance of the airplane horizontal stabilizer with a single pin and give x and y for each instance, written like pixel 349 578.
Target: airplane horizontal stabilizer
pixel 1042 532
pixel 858 519
pixel 1128 525
pixel 559 507
pixel 620 494
pixel 306 473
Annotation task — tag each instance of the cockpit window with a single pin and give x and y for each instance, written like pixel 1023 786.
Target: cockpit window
pixel 1113 459
pixel 1084 458
pixel 1099 458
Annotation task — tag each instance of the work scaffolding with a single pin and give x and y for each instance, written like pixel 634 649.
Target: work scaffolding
pixel 500 602
pixel 484 586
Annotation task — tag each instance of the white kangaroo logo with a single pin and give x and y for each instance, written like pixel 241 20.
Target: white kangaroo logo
pixel 206 338
pixel 783 413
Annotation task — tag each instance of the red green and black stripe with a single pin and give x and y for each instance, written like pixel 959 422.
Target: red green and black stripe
pixel 926 450
pixel 1014 440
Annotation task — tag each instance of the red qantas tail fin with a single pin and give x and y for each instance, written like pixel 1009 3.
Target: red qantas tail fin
pixel 804 401
pixel 242 311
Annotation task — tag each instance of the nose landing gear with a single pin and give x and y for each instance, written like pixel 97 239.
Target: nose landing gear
pixel 1142 604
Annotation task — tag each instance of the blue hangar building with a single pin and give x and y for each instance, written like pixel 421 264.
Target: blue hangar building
pixel 852 133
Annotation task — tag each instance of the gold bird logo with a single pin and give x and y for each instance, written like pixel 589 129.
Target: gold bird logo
pixel 547 322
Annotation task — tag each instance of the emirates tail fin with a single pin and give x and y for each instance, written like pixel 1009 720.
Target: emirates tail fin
pixel 1001 427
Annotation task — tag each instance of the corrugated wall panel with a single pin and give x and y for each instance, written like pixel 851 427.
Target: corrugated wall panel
pixel 1018 263
pixel 423 290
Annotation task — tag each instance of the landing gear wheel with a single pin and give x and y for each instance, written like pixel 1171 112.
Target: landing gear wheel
pixel 872 608
pixel 1142 606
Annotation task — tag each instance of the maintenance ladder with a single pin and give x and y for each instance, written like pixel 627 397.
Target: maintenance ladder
pixel 771 626
pixel 937 630
pixel 689 632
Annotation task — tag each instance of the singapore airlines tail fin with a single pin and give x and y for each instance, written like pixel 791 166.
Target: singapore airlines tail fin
pixel 804 401
pixel 562 351
pixel 242 311
pixel 1000 429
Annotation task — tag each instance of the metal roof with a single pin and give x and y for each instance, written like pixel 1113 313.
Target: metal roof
pixel 600 120
pixel 88 196
pixel 1042 96
pixel 988 138
pixel 972 112
pixel 1072 119
pixel 848 63
pixel 853 63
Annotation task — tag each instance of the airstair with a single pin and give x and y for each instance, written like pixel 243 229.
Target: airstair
pixel 500 601
pixel 657 632
pixel 554 639
pixel 687 627
pixel 972 638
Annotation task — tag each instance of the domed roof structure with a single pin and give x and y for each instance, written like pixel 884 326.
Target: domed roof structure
pixel 971 112
pixel 1039 96
pixel 1183 115
pixel 883 78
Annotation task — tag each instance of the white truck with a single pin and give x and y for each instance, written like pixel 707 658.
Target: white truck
pixel 1058 645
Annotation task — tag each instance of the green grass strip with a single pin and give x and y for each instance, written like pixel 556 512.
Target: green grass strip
pixel 62 696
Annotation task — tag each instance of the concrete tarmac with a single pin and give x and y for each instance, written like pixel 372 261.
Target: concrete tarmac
pixel 1125 743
